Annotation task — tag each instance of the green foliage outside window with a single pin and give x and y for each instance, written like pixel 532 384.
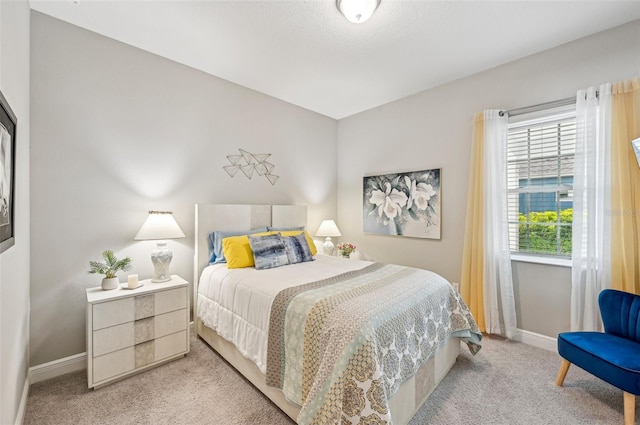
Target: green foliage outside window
pixel 539 232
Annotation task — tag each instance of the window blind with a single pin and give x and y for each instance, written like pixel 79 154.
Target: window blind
pixel 540 161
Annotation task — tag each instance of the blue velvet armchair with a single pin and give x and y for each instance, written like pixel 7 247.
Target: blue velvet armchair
pixel 612 355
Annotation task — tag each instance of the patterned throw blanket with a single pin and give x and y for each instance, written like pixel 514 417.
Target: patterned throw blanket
pixel 341 347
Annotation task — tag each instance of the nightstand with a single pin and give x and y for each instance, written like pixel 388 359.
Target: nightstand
pixel 129 331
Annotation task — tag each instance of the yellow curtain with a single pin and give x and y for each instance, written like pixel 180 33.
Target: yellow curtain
pixel 471 286
pixel 625 187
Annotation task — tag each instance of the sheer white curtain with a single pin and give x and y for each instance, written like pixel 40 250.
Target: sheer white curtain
pixel 499 304
pixel 591 254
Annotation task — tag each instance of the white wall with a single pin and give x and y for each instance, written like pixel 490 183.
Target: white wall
pixel 432 129
pixel 14 263
pixel 117 131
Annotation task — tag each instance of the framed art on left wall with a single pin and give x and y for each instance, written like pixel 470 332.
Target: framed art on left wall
pixel 8 124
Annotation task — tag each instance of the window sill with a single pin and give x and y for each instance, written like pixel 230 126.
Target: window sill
pixel 551 261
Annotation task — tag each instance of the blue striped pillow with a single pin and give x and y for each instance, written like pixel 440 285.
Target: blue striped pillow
pixel 268 251
pixel 297 248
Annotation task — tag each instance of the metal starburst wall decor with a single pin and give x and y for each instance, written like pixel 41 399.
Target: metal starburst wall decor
pixel 250 164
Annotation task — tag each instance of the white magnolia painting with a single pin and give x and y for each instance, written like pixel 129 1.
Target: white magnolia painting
pixel 403 204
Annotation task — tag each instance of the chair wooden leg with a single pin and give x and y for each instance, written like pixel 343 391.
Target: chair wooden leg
pixel 629 408
pixel 564 368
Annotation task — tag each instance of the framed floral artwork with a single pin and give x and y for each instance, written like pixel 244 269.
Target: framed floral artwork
pixel 7 173
pixel 403 204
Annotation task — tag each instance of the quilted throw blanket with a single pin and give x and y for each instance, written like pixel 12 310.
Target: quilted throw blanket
pixel 341 347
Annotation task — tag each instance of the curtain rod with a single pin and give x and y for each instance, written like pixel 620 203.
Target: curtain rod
pixel 539 107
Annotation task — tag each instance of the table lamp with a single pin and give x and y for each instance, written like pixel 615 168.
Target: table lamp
pixel 158 226
pixel 328 228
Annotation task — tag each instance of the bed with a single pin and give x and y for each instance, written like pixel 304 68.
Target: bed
pixel 329 340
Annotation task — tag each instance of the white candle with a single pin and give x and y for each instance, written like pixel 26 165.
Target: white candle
pixel 132 281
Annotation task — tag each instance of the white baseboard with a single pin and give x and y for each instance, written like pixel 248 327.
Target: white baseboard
pixel 45 371
pixel 536 340
pixel 22 409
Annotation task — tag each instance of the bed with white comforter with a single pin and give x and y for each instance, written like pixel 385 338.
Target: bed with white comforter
pixel 337 336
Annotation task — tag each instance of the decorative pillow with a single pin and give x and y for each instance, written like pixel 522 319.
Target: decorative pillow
pixel 310 243
pixel 285 229
pixel 268 251
pixel 297 248
pixel 237 251
pixel 215 242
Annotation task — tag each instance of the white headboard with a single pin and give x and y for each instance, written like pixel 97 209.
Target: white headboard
pixel 210 217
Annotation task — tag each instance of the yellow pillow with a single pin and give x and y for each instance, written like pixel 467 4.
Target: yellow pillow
pixel 312 246
pixel 237 250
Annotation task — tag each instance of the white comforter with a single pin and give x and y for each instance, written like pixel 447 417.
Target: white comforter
pixel 236 302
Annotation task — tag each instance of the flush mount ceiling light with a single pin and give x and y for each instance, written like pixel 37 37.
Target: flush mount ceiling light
pixel 357 11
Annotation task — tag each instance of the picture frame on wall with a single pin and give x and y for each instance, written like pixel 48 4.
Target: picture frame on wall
pixel 403 204
pixel 8 126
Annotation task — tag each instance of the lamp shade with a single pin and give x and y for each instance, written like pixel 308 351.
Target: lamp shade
pixel 159 225
pixel 328 228
pixel 636 148
pixel 357 11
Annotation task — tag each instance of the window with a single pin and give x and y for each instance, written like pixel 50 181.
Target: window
pixel 540 158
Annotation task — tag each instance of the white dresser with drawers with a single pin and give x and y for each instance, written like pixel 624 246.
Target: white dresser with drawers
pixel 129 331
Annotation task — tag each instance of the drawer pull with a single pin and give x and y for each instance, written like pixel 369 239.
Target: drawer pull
pixel 144 330
pixel 144 353
pixel 144 306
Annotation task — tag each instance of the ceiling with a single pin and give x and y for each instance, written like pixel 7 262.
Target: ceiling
pixel 306 53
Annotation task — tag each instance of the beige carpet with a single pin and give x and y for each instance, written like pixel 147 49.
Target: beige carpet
pixel 506 383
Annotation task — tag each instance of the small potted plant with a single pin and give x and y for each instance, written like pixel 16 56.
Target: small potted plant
pixel 345 249
pixel 109 268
